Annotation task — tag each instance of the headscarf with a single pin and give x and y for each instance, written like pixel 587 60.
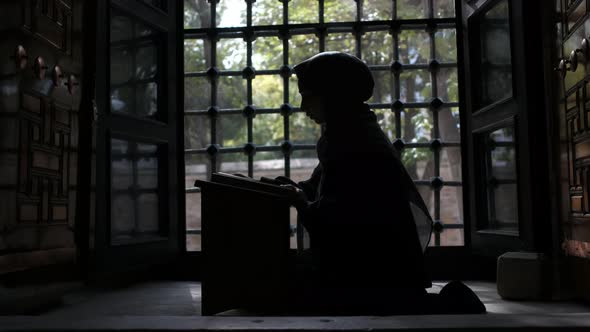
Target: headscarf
pixel 336 74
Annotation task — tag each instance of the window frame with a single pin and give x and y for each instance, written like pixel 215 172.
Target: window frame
pixel 286 30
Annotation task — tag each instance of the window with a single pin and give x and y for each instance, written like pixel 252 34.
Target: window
pixel 241 99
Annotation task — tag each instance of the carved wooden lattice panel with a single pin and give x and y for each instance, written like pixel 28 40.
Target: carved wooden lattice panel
pixel 575 127
pixel 45 129
pixel 39 107
pixel 51 20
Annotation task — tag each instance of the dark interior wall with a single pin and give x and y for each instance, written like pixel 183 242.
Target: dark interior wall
pixel 574 145
pixel 39 106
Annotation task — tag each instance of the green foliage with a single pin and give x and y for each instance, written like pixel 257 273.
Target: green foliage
pixel 414 47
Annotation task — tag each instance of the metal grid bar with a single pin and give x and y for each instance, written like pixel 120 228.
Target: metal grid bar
pixel 267 148
pixel 286 115
pixel 310 28
pixel 278 71
pixel 436 131
pixel 250 115
pixel 322 29
pixel 374 106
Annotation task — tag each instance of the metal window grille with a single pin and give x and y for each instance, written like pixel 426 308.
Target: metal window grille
pixel 397 106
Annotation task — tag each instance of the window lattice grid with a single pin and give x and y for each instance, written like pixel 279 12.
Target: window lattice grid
pixel 436 70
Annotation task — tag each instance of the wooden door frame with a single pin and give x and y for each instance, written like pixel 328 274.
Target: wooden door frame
pixel 96 82
pixel 534 123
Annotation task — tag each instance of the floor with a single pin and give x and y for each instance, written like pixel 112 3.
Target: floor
pixel 176 306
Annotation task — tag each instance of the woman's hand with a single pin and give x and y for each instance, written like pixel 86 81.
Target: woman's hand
pixel 285 180
pixel 300 200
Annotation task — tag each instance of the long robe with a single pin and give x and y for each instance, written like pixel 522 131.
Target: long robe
pixel 363 217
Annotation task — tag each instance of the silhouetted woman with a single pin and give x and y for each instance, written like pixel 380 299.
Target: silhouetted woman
pixel 367 223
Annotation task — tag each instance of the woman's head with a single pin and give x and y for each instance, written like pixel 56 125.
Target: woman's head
pixel 331 78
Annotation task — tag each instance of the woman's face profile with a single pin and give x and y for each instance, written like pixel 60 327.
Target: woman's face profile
pixel 313 106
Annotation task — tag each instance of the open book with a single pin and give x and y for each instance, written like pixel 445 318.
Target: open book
pixel 266 185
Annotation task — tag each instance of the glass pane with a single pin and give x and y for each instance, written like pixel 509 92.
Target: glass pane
pixel 501 175
pixel 386 119
pixel 121 27
pixel 445 42
pixel 383 87
pixel 146 99
pixel 495 59
pixel 449 125
pixel 121 65
pixel 231 13
pixel 341 42
pixel 232 129
pixel 147 166
pixel 195 58
pixel 197 131
pixel 294 96
pixel 503 162
pixel 451 205
pixel 135 191
pixel 193 210
pixel 502 154
pixel 444 8
pixel 415 85
pixel 267 12
pixel 231 92
pixel 303 11
pixel 147 212
pixel 142 31
pixel 146 67
pixel 267 91
pixel 428 197
pixel 197 14
pixel 447 84
pixel 134 67
pixel 414 47
pixel 267 52
pixel 419 163
pixel 196 167
pixel 122 168
pixel 122 99
pixel 197 93
pixel 504 210
pixel 408 9
pixel 303 162
pixel 231 54
pixel 377 48
pixel 451 237
pixel 268 129
pixel 193 242
pixel 417 125
pixel 377 10
pixel 233 163
pixel 122 217
pixel 450 165
pixel 339 10
pixel 193 221
pixel 269 164
pixel 302 47
pixel 302 129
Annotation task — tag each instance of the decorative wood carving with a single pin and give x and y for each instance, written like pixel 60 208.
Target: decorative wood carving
pixel 45 131
pixel 51 20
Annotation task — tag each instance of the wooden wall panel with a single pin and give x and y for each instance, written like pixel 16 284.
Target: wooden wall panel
pixel 38 132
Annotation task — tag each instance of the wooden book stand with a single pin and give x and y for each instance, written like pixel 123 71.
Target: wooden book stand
pixel 245 243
